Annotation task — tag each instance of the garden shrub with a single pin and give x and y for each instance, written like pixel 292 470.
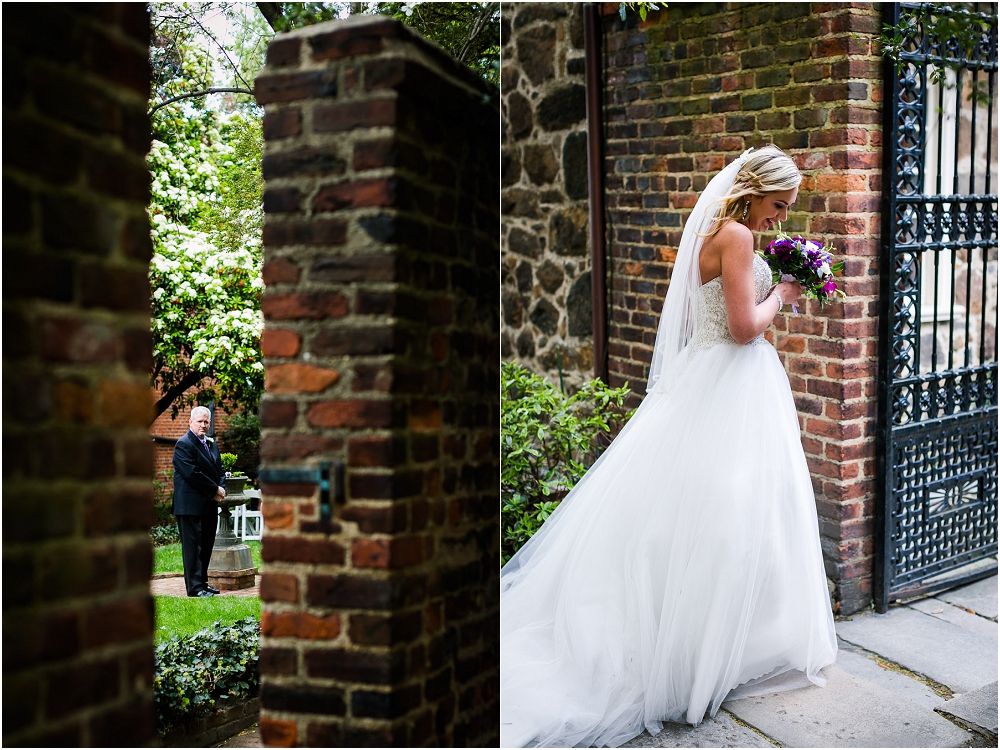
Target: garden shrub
pixel 163 535
pixel 195 672
pixel 549 440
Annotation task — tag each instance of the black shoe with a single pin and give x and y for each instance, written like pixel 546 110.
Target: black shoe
pixel 204 593
pixel 212 589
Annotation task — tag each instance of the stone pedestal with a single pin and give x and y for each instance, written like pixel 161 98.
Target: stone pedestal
pixel 231 567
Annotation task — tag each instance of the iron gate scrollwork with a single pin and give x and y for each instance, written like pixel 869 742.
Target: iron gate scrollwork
pixel 937 428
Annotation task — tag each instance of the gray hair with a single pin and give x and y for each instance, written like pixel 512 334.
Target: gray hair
pixel 199 409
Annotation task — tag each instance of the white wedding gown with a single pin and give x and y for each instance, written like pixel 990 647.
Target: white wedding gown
pixel 684 564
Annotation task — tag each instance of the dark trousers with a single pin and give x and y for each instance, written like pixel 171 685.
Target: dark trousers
pixel 197 541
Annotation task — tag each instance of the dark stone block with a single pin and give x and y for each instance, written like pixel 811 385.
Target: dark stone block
pixel 536 52
pixel 562 108
pixel 519 115
pixel 510 167
pixel 531 12
pixel 575 166
pixel 513 311
pixel 550 276
pixel 568 231
pixel 540 163
pixel 546 317
pixel 526 344
pixel 579 307
pixel 519 202
pixel 523 275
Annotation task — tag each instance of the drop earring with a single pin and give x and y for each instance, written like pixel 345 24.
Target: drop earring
pixel 746 208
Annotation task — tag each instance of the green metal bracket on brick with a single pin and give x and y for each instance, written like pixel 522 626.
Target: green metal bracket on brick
pixel 315 475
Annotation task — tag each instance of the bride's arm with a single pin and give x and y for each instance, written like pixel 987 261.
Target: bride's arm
pixel 746 318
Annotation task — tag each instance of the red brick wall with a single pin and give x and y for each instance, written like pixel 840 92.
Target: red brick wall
pixel 686 92
pixel 77 460
pixel 381 344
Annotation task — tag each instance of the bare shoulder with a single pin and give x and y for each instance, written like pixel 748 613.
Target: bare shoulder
pixel 734 236
pixel 734 242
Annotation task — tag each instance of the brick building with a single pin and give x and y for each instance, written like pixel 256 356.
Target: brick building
pixel 380 622
pixel 676 98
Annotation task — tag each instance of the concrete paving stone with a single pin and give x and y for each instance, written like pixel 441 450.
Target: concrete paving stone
pixel 977 709
pixel 980 597
pixel 950 613
pixel 861 666
pixel 948 654
pixel 249 737
pixel 722 731
pixel 847 712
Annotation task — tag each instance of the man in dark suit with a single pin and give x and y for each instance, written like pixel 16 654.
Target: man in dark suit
pixel 197 490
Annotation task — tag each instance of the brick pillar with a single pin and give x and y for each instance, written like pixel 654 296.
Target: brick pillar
pixel 687 91
pixel 381 344
pixel 77 462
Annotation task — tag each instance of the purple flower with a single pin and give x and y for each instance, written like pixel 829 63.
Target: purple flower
pixel 829 286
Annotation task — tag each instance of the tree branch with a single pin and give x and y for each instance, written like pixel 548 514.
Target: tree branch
pixel 224 52
pixel 271 12
pixel 488 9
pixel 225 90
pixel 172 393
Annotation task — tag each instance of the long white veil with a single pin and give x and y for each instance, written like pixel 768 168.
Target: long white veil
pixel 678 320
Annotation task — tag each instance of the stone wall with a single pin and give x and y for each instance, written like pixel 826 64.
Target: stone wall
pixel 546 295
pixel 77 460
pixel 687 92
pixel 381 345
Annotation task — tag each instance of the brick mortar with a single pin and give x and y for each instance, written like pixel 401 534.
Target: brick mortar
pixel 382 546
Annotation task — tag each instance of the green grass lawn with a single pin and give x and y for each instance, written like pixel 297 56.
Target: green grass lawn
pixel 181 615
pixel 167 559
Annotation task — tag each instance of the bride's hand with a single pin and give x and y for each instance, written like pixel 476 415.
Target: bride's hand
pixel 789 291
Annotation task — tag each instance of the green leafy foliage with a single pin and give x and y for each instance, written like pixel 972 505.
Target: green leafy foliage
pixel 642 8
pixel 470 32
pixel 548 442
pixel 228 461
pixel 206 215
pixel 242 436
pixel 193 673
pixel 959 28
pixel 164 535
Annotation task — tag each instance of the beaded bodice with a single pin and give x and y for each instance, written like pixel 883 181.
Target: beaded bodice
pixel 713 324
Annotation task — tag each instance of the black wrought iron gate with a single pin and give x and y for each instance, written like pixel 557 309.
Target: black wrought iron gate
pixel 937 432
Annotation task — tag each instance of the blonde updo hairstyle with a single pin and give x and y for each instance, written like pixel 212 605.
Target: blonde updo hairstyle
pixel 765 170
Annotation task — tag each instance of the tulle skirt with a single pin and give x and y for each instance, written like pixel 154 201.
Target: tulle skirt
pixel 684 564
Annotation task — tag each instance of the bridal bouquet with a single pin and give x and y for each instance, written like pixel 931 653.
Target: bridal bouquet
pixel 804 261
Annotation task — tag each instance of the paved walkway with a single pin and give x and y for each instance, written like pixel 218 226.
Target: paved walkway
pixel 249 737
pixel 174 586
pixel 922 675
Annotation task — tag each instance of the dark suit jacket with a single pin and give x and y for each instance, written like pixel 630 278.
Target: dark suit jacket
pixel 197 476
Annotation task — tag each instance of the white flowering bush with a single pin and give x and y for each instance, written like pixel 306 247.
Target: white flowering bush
pixel 206 216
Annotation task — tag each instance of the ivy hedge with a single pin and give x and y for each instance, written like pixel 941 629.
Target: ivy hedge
pixel 195 672
pixel 548 442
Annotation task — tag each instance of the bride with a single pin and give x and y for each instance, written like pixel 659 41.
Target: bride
pixel 685 567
